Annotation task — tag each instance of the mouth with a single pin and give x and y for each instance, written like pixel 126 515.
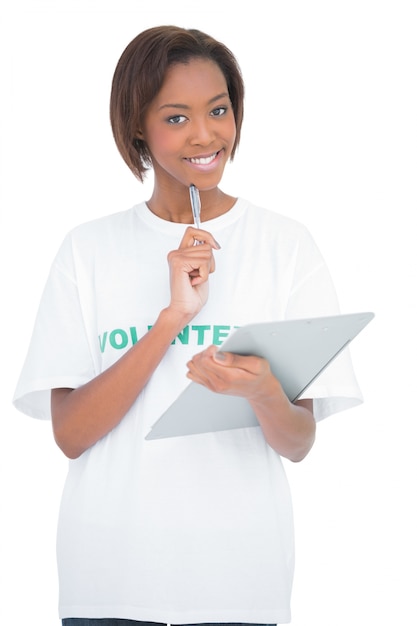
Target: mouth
pixel 204 160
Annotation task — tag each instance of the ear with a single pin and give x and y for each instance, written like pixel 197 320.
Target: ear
pixel 139 134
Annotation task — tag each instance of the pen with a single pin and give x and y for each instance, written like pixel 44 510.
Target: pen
pixel 196 207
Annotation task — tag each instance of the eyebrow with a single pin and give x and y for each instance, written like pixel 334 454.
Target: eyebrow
pixel 185 106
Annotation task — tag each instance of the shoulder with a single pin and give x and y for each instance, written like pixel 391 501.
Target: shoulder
pixel 98 239
pixel 273 222
pixel 111 224
pixel 107 230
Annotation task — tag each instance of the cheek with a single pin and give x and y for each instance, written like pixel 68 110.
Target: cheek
pixel 158 142
pixel 231 131
pixel 161 141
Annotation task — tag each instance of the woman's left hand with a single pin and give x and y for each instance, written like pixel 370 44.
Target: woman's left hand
pixel 288 428
pixel 229 373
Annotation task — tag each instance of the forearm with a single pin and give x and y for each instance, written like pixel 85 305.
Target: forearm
pixel 82 416
pixel 288 428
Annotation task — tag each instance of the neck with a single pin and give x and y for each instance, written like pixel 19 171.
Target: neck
pixel 174 205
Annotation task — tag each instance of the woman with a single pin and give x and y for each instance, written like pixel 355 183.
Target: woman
pixel 193 529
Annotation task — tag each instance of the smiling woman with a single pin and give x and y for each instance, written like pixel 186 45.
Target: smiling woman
pixel 194 529
pixel 189 130
pixel 145 65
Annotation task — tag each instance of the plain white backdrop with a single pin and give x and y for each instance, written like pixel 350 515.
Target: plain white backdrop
pixel 330 138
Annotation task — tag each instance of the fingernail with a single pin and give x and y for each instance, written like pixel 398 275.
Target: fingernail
pixel 217 244
pixel 219 356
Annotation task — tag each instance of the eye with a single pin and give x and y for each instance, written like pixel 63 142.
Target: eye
pixel 176 119
pixel 219 111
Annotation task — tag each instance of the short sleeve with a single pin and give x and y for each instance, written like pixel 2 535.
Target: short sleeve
pixel 59 353
pixel 313 295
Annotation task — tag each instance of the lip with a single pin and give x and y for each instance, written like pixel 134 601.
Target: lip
pixel 205 162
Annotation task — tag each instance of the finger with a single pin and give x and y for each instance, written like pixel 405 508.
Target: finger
pixel 197 262
pixel 201 363
pixel 205 370
pixel 250 364
pixel 203 358
pixel 209 377
pixel 192 258
pixel 193 235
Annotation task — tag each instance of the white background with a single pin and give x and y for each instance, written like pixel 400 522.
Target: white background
pixel 330 139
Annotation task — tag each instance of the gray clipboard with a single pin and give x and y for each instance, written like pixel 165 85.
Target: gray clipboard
pixel 297 350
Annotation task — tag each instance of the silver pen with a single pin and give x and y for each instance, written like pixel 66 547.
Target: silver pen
pixel 196 208
pixel 195 205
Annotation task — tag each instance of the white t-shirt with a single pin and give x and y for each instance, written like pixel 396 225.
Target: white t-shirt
pixel 189 529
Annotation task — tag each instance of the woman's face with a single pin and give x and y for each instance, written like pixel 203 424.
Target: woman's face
pixel 190 127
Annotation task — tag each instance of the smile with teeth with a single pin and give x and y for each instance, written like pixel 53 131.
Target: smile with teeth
pixel 203 160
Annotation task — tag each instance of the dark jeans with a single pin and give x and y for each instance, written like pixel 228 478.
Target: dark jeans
pixel 75 621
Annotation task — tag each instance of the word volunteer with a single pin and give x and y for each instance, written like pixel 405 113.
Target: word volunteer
pixel 120 338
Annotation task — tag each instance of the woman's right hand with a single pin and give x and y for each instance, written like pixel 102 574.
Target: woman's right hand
pixel 82 416
pixel 190 266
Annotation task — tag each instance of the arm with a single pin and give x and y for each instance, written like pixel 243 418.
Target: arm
pixel 80 417
pixel 288 428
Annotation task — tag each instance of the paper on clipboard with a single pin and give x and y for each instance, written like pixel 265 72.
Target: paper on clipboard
pixel 297 350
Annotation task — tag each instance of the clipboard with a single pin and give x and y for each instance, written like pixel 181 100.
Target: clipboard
pixel 297 351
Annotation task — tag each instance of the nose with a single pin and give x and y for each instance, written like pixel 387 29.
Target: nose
pixel 201 132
